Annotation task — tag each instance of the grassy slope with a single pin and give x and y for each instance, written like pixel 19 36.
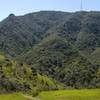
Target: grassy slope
pixel 14 96
pixel 93 94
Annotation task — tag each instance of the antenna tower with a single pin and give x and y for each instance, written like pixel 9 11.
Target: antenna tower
pixel 81 5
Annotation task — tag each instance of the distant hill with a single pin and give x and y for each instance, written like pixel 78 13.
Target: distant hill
pixel 62 45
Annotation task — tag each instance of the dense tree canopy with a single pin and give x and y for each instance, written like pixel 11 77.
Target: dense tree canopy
pixel 63 46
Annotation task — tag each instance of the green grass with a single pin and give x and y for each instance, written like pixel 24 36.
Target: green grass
pixel 15 96
pixel 93 94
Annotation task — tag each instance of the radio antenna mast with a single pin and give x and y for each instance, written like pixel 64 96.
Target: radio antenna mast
pixel 81 8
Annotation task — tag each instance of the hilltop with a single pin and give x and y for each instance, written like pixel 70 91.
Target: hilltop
pixel 61 45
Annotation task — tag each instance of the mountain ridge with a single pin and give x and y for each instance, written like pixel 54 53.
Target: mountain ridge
pixel 62 45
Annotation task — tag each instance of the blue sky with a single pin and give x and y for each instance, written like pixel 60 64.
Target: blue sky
pixel 20 7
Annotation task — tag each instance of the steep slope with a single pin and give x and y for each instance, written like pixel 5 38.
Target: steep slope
pixel 17 77
pixel 58 58
pixel 19 34
pixel 62 45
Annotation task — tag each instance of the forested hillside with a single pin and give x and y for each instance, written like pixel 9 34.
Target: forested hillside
pixel 17 77
pixel 63 46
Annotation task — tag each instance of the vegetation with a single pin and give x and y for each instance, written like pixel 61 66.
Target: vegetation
pixel 71 95
pixel 14 96
pixel 50 50
pixel 16 77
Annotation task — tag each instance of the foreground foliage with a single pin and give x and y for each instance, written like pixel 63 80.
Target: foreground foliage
pixel 16 77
